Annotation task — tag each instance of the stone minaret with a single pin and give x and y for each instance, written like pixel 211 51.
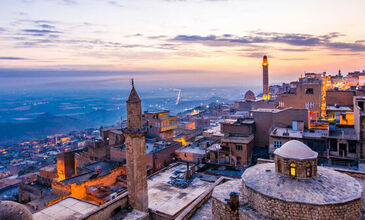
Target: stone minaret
pixel 265 78
pixel 136 154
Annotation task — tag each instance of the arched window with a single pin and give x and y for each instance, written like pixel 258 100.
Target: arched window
pixel 293 169
pixel 308 169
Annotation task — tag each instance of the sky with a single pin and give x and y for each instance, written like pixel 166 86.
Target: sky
pixel 172 42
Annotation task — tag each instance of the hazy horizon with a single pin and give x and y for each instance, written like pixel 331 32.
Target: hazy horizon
pixel 178 42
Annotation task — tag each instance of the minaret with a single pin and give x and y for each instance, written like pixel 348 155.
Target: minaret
pixel 265 78
pixel 136 153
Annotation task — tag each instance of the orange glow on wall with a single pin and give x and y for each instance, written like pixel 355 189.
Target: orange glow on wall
pixel 182 141
pixel 318 125
pixel 347 119
pixel 265 62
pixel 65 139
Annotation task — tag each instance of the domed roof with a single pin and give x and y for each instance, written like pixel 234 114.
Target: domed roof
pixel 250 95
pixel 296 150
pixel 14 211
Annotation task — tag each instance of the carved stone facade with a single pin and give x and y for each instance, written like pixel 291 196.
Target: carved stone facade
pixel 281 209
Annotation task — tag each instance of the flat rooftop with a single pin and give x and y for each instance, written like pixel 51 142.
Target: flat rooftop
pixel 166 199
pixel 192 149
pixel 286 132
pixel 69 208
pixel 338 108
pixel 273 110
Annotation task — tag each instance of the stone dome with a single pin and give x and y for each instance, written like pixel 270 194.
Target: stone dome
pixel 295 150
pixel 249 95
pixel 14 211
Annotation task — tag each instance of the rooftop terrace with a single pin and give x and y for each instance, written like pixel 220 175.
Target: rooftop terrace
pixel 168 200
pixel 69 208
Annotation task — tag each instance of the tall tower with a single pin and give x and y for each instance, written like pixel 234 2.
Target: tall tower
pixel 265 78
pixel 136 153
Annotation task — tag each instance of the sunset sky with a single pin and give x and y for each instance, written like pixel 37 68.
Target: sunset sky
pixel 213 41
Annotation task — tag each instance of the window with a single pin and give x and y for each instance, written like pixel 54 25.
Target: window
pixel 352 147
pixel 333 145
pixel 277 144
pixel 281 104
pixel 309 91
pixel 293 169
pixel 308 169
pixel 309 105
pixel 239 147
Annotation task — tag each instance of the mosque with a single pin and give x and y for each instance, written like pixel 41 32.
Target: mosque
pixel 293 187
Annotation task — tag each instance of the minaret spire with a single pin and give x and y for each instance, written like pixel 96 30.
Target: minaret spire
pixel 135 142
pixel 265 78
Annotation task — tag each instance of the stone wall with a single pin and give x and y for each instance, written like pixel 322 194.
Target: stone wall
pixel 282 165
pixel 108 209
pixel 275 208
pixel 136 170
pixel 340 97
pixel 221 211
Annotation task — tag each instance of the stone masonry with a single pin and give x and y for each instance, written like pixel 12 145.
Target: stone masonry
pixel 136 154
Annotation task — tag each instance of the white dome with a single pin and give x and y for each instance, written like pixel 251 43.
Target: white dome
pixel 296 150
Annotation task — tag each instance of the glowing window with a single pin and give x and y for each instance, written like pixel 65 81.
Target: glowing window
pixel 309 169
pixel 293 169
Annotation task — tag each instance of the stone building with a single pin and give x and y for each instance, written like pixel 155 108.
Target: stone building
pixel 236 147
pixel 160 124
pixel 307 95
pixel 95 184
pixel 249 95
pixel 340 97
pixel 66 166
pixel 268 119
pixel 359 118
pixel 135 142
pixel 293 187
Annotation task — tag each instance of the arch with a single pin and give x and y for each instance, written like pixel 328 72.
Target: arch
pixel 308 170
pixel 293 169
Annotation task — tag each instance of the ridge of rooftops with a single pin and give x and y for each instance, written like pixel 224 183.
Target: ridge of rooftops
pixel 153 146
pixel 239 121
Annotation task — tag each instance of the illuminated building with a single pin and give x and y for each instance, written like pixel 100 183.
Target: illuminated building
pixel 265 78
pixel 66 166
pixel 160 124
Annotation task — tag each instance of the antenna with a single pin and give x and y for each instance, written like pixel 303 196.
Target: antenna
pixel 132 82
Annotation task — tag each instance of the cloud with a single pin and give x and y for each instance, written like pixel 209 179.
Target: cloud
pixel 157 37
pixel 291 39
pixel 12 58
pixel 70 2
pixel 115 3
pixel 356 47
pixel 40 31
pixel 47 26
